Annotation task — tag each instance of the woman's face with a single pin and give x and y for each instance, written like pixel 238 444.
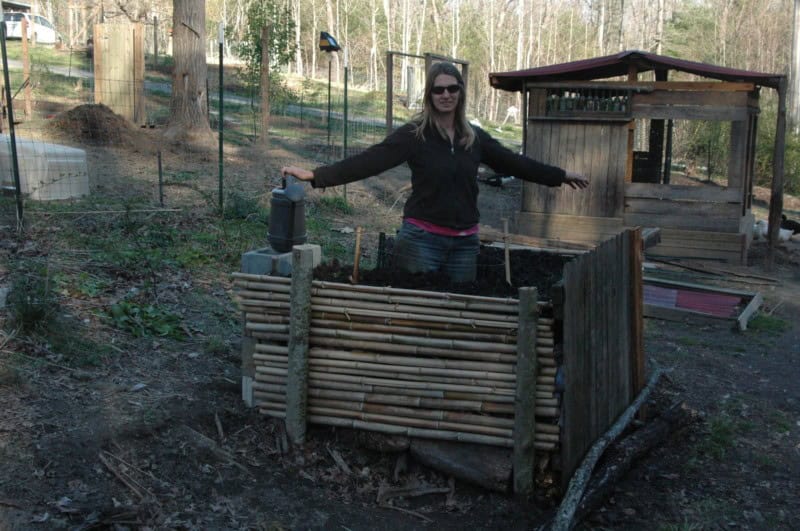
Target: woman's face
pixel 447 101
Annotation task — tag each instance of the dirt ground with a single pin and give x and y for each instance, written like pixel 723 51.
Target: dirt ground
pixel 155 435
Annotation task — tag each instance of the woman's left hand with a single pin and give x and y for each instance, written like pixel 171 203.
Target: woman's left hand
pixel 576 180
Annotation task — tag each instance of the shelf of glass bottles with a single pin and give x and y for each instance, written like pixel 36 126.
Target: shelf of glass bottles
pixel 587 102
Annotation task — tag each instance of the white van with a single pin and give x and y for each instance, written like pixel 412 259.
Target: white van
pixel 38 27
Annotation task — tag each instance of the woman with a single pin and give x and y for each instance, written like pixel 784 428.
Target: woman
pixel 440 219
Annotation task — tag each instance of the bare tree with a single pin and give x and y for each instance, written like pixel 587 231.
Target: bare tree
pixel 187 109
pixel 794 72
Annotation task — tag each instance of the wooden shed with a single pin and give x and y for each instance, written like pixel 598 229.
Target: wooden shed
pixel 596 117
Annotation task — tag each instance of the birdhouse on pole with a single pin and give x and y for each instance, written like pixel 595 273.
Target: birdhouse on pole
pixel 327 43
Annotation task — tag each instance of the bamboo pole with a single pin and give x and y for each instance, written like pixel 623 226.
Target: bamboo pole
pixel 412 370
pixel 393 328
pixel 320 353
pixel 262 327
pixel 490 386
pixel 266 318
pixel 426 295
pixel 415 340
pixel 488 403
pixel 429 414
pixel 414 316
pixel 388 318
pixel 261 278
pixel 406 421
pixel 410 349
pixel 427 312
pixel 263 295
pixel 412 431
pixel 498 306
pixel 475 406
pixel 272 349
pixel 497 395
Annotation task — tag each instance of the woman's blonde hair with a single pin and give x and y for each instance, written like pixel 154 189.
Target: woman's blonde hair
pixel 427 117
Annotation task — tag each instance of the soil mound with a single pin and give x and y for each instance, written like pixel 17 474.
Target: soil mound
pixel 95 124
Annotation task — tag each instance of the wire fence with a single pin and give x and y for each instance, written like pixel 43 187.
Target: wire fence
pixel 69 120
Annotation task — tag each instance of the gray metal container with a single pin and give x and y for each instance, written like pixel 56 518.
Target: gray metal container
pixel 287 216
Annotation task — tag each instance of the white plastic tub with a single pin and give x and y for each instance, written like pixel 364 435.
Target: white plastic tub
pixel 47 171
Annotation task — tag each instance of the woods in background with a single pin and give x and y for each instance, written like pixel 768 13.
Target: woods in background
pixel 493 35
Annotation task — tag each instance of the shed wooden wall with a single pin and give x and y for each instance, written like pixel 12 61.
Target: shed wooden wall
pixel 701 221
pixel 599 312
pixel 596 149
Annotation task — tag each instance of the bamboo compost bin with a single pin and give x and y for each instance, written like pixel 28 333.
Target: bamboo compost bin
pixel 542 377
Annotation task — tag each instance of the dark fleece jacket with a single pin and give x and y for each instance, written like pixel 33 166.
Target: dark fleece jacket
pixel 443 175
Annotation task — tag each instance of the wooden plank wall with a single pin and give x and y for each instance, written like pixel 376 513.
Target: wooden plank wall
pixel 596 149
pixel 119 69
pixel 597 346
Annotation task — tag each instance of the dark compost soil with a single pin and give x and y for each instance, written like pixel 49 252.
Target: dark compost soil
pixel 528 269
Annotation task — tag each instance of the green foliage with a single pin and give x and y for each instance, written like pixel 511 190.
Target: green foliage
pixel 279 19
pixel 241 206
pixel 720 438
pixel 145 320
pixel 335 204
pixel 31 301
pixel 767 323
pixel 765 149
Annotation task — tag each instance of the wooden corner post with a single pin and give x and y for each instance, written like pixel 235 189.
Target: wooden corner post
pixel 525 398
pixel 299 321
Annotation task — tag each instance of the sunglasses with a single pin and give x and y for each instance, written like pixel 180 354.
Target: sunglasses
pixel 452 89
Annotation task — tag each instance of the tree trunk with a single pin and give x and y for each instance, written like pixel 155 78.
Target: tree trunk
pixel 187 109
pixel 333 30
pixel 373 49
pixel 794 73
pixel 298 58
pixel 660 27
pixel 265 30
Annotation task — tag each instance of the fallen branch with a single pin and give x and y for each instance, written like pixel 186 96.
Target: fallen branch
pixel 198 440
pixel 141 492
pixel 386 494
pixel 629 450
pixel 407 511
pixel 220 431
pixel 577 485
pixel 340 462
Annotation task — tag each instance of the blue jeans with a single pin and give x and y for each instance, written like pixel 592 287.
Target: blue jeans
pixel 419 251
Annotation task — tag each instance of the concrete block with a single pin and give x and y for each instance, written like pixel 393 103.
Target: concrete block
pixel 261 261
pixel 283 265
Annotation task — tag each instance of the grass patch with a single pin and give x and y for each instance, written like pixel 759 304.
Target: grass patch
pixel 34 312
pixel 704 513
pixel 720 438
pixel 767 323
pixel 334 204
pixel 42 54
pixel 145 320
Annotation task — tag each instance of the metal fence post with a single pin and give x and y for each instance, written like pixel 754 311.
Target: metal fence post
pixel 11 128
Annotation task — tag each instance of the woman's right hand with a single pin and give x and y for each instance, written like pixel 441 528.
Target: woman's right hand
pixel 300 173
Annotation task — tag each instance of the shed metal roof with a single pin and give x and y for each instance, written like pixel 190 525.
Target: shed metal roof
pixel 618 64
